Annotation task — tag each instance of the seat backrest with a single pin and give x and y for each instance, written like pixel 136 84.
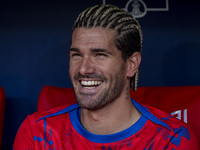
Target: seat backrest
pixel 52 96
pixel 183 102
pixel 2 111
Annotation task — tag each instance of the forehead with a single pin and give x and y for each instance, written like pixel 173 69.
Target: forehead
pixel 94 37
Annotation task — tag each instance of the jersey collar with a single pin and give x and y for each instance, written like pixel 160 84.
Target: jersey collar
pixel 141 108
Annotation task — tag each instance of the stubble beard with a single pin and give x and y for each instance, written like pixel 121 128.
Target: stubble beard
pixel 108 95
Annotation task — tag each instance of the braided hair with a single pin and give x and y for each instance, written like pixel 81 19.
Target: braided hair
pixel 128 30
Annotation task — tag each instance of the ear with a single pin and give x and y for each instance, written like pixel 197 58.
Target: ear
pixel 133 63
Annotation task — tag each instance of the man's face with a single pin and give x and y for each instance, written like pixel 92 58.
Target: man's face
pixel 97 70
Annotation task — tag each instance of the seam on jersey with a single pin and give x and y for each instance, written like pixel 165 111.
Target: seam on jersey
pixel 149 115
pixel 65 110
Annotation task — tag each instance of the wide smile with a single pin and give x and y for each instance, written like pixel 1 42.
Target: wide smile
pixel 91 84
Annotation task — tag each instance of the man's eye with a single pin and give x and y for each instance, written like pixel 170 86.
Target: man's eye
pixel 75 56
pixel 101 55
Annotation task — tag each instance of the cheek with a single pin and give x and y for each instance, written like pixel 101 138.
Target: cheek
pixel 111 71
pixel 71 70
pixel 118 71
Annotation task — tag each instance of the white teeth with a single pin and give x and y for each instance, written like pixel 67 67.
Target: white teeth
pixel 90 87
pixel 85 83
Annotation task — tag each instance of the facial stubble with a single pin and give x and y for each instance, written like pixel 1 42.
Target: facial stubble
pixel 108 95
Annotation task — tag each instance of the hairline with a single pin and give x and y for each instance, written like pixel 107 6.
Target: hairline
pixel 115 36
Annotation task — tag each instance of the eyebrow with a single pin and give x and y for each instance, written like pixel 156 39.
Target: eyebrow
pixel 74 49
pixel 94 50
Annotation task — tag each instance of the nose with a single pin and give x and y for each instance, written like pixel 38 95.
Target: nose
pixel 86 67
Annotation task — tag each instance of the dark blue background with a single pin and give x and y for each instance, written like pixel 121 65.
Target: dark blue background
pixel 35 38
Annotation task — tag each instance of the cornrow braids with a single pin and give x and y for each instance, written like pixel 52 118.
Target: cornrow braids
pixel 112 17
pixel 128 37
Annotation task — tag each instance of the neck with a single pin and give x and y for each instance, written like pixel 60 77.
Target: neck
pixel 113 118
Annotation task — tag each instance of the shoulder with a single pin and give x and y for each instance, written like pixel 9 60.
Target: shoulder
pixel 181 134
pixel 53 117
pixel 166 118
pixel 55 112
pixel 38 124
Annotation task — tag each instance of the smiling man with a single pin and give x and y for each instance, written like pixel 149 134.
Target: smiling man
pixel 96 77
pixel 105 55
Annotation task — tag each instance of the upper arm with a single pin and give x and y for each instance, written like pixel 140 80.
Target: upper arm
pixel 24 137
